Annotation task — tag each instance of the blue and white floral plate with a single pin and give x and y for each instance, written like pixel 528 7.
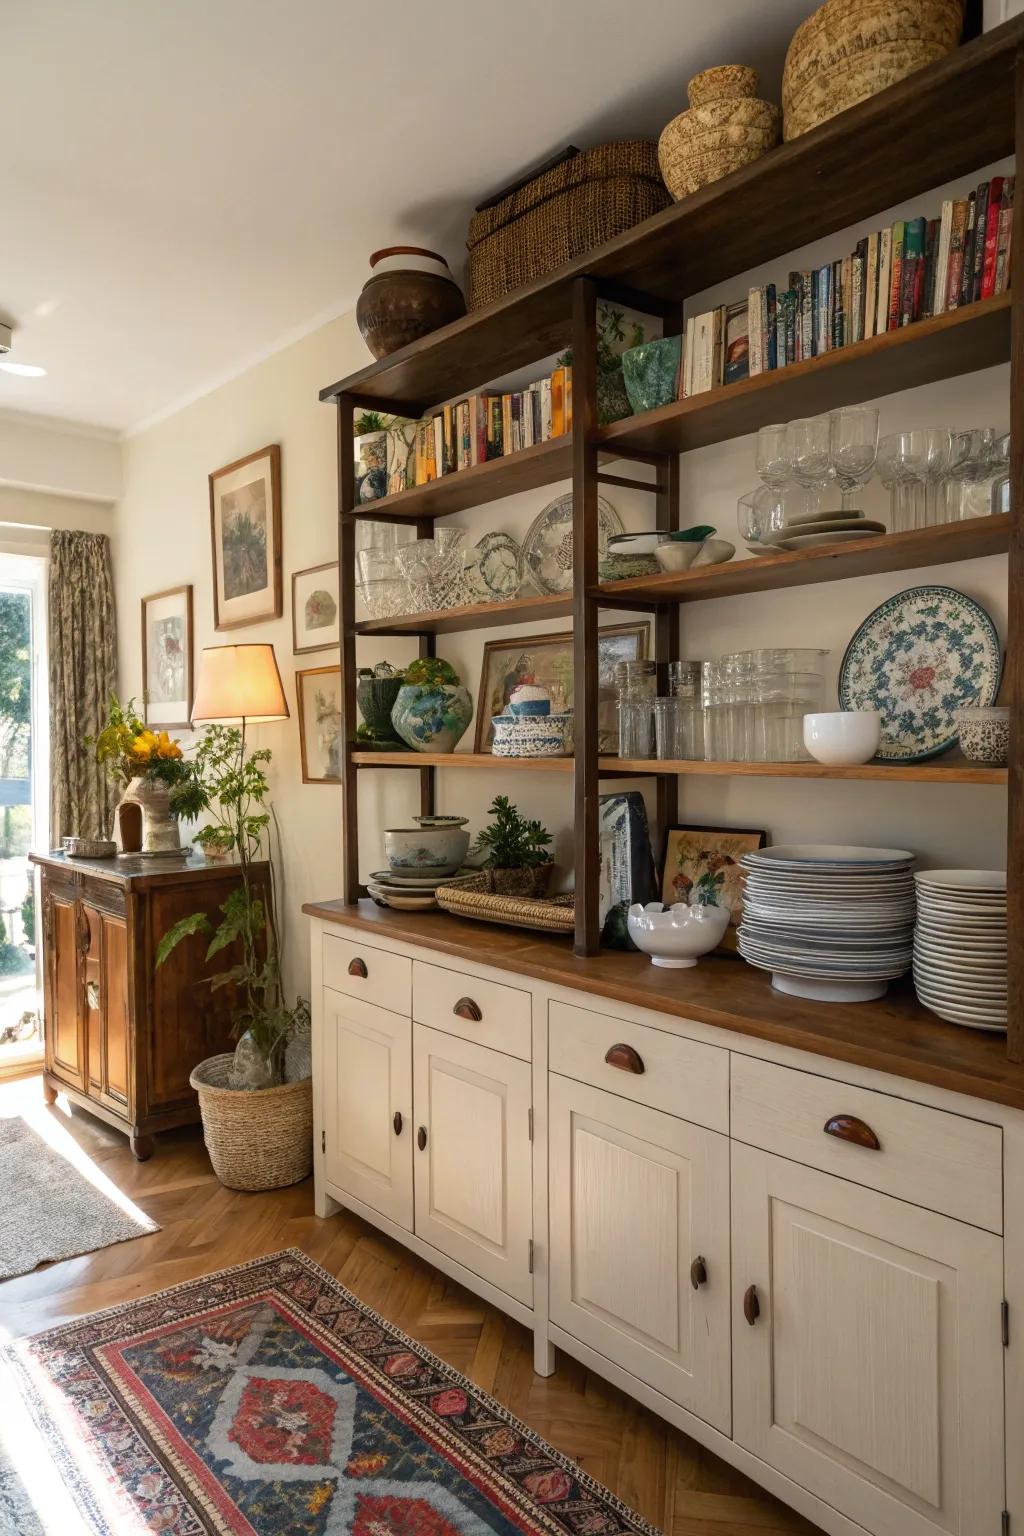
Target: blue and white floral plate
pixel 917 659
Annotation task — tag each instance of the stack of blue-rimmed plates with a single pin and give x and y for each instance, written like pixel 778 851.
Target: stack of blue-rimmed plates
pixel 411 892
pixel 830 922
pixel 960 946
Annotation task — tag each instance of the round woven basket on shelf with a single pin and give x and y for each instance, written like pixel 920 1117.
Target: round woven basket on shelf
pixel 849 50
pixel 258 1138
pixel 471 898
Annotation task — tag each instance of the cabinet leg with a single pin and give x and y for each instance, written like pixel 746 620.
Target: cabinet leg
pixel 49 1092
pixel 543 1354
pixel 324 1205
pixel 143 1147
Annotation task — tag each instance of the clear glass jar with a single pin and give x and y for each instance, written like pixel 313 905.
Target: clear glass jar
pixel 636 678
pixel 783 698
pixel 684 679
pixel 636 726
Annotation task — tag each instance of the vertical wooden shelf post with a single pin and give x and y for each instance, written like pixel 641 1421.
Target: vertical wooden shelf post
pixel 1014 683
pixel 585 612
pixel 347 617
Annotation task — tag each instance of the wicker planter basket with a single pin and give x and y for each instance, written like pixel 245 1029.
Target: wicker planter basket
pixel 561 214
pixel 851 49
pixel 257 1138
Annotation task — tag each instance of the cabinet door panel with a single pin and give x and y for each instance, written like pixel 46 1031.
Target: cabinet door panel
pixel 66 1049
pixel 636 1198
pixel 873 1374
pixel 474 1177
pixel 114 995
pixel 367 1057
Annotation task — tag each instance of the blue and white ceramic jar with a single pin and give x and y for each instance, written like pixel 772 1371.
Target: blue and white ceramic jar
pixel 432 717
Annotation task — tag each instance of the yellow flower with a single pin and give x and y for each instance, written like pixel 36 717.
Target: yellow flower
pixel 165 747
pixel 143 747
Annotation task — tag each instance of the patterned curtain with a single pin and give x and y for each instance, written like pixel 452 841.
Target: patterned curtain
pixel 83 674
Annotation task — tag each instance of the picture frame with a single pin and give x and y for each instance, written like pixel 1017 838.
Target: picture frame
pixel 167 658
pixel 319 712
pixel 245 538
pixel 316 625
pixel 548 659
pixel 698 855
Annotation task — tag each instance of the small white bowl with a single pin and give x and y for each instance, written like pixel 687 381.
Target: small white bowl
pixel 843 737
pixel 676 936
pixel 437 850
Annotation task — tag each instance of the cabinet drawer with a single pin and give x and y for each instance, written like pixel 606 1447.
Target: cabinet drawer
pixel 387 980
pixel 504 1022
pixel 681 1077
pixel 929 1157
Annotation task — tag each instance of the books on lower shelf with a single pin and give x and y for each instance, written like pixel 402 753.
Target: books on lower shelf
pixel 914 269
pixel 490 425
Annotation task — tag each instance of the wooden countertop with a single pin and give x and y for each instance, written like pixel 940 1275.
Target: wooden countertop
pixel 137 871
pixel 895 1035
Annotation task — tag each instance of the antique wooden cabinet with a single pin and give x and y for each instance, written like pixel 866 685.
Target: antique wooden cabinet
pixel 121 1035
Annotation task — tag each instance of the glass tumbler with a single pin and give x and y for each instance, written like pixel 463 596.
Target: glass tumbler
pixel 636 725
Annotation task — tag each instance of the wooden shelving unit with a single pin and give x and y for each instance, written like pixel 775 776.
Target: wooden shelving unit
pixel 953 118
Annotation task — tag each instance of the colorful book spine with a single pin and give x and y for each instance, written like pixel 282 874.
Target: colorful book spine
pixel 913 256
pixel 756 332
pixel 967 271
pixel 769 316
pixel 941 273
pixel 957 238
pixel 980 225
pixel 884 280
pixel 871 287
pixel 899 231
pixel 987 286
pixel 736 357
pixel 1005 237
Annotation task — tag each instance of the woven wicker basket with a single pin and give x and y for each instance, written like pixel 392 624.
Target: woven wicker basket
pixel 851 49
pixel 553 914
pixel 561 214
pixel 258 1138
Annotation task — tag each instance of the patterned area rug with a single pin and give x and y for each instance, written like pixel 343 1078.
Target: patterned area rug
pixel 57 1212
pixel 267 1400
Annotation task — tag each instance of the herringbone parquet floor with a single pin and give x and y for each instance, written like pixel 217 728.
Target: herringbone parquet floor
pixel 673 1482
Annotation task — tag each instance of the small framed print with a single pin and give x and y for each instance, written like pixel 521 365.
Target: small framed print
pixel 318 693
pixel 315 625
pixel 703 864
pixel 245 532
pixel 167 658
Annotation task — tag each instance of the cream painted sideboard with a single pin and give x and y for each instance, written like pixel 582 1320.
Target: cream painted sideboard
pixel 679 1205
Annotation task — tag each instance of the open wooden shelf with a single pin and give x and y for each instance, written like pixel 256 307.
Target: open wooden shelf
pixel 523 471
pixel 941 123
pixel 977 336
pixel 949 770
pixel 831 562
pixel 447 621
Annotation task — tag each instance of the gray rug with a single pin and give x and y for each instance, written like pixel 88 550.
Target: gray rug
pixel 49 1209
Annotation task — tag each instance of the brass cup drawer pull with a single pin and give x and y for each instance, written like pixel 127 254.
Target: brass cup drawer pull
pixel 698 1272
pixel 751 1305
pixel 467 1009
pixel 625 1058
pixel 857 1132
pixel 357 967
pixel 421 1138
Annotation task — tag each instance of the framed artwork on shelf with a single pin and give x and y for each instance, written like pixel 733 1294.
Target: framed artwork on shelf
pixel 626 871
pixel 245 533
pixel 704 863
pixel 167 658
pixel 315 625
pixel 318 694
pixel 547 659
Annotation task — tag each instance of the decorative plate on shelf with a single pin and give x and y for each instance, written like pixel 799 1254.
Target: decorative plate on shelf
pixel 494 568
pixel 547 548
pixel 918 658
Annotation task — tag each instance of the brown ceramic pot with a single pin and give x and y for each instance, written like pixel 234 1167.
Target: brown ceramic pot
pixel 411 292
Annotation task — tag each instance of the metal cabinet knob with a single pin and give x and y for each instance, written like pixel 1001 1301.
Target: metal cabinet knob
pixel 357 967
pixel 397 1122
pixel 466 1008
pixel 625 1058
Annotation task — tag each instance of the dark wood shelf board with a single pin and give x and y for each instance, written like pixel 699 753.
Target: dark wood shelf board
pixel 864 557
pixel 941 123
pixel 895 1035
pixel 459 760
pixel 523 471
pixel 448 621
pixel 962 341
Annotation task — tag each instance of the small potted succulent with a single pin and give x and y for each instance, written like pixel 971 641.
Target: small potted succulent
pixel 433 708
pixel 517 859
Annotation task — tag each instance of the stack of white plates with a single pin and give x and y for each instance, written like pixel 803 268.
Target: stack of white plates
pixel 813 528
pixel 960 945
pixel 410 893
pixel 830 922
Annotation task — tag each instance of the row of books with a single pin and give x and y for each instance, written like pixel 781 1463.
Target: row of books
pixel 489 425
pixel 914 269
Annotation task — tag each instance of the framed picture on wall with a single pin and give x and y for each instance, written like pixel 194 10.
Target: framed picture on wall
pixel 703 864
pixel 245 532
pixel 318 693
pixel 315 625
pixel 167 658
pixel 547 659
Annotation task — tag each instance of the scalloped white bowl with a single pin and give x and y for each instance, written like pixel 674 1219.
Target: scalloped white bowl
pixel 676 936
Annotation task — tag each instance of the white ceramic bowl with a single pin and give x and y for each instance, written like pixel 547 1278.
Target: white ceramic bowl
pixel 676 936
pixel 430 850
pixel 843 736
pixel 680 554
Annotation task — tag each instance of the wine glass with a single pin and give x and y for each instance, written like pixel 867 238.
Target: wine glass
pixel 897 479
pixel 971 458
pixel 772 457
pixel 927 451
pixel 853 449
pixel 807 442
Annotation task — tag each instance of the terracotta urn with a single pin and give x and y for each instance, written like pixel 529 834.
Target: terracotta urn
pixel 726 126
pixel 409 293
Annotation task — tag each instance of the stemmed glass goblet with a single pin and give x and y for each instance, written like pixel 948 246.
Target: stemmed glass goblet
pixel 808 448
pixel 853 449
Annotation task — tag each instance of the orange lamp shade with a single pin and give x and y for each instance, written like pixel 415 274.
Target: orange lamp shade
pixel 239 682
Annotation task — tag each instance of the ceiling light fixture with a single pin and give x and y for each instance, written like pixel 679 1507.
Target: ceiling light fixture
pixel 24 370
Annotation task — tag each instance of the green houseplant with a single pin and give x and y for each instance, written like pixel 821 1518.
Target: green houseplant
pixel 517 859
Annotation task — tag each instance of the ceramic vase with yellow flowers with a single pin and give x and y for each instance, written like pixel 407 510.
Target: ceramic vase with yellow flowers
pixel 149 764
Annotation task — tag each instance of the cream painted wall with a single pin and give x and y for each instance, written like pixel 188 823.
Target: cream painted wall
pixel 162 539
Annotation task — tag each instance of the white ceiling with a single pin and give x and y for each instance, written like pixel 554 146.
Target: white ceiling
pixel 187 184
